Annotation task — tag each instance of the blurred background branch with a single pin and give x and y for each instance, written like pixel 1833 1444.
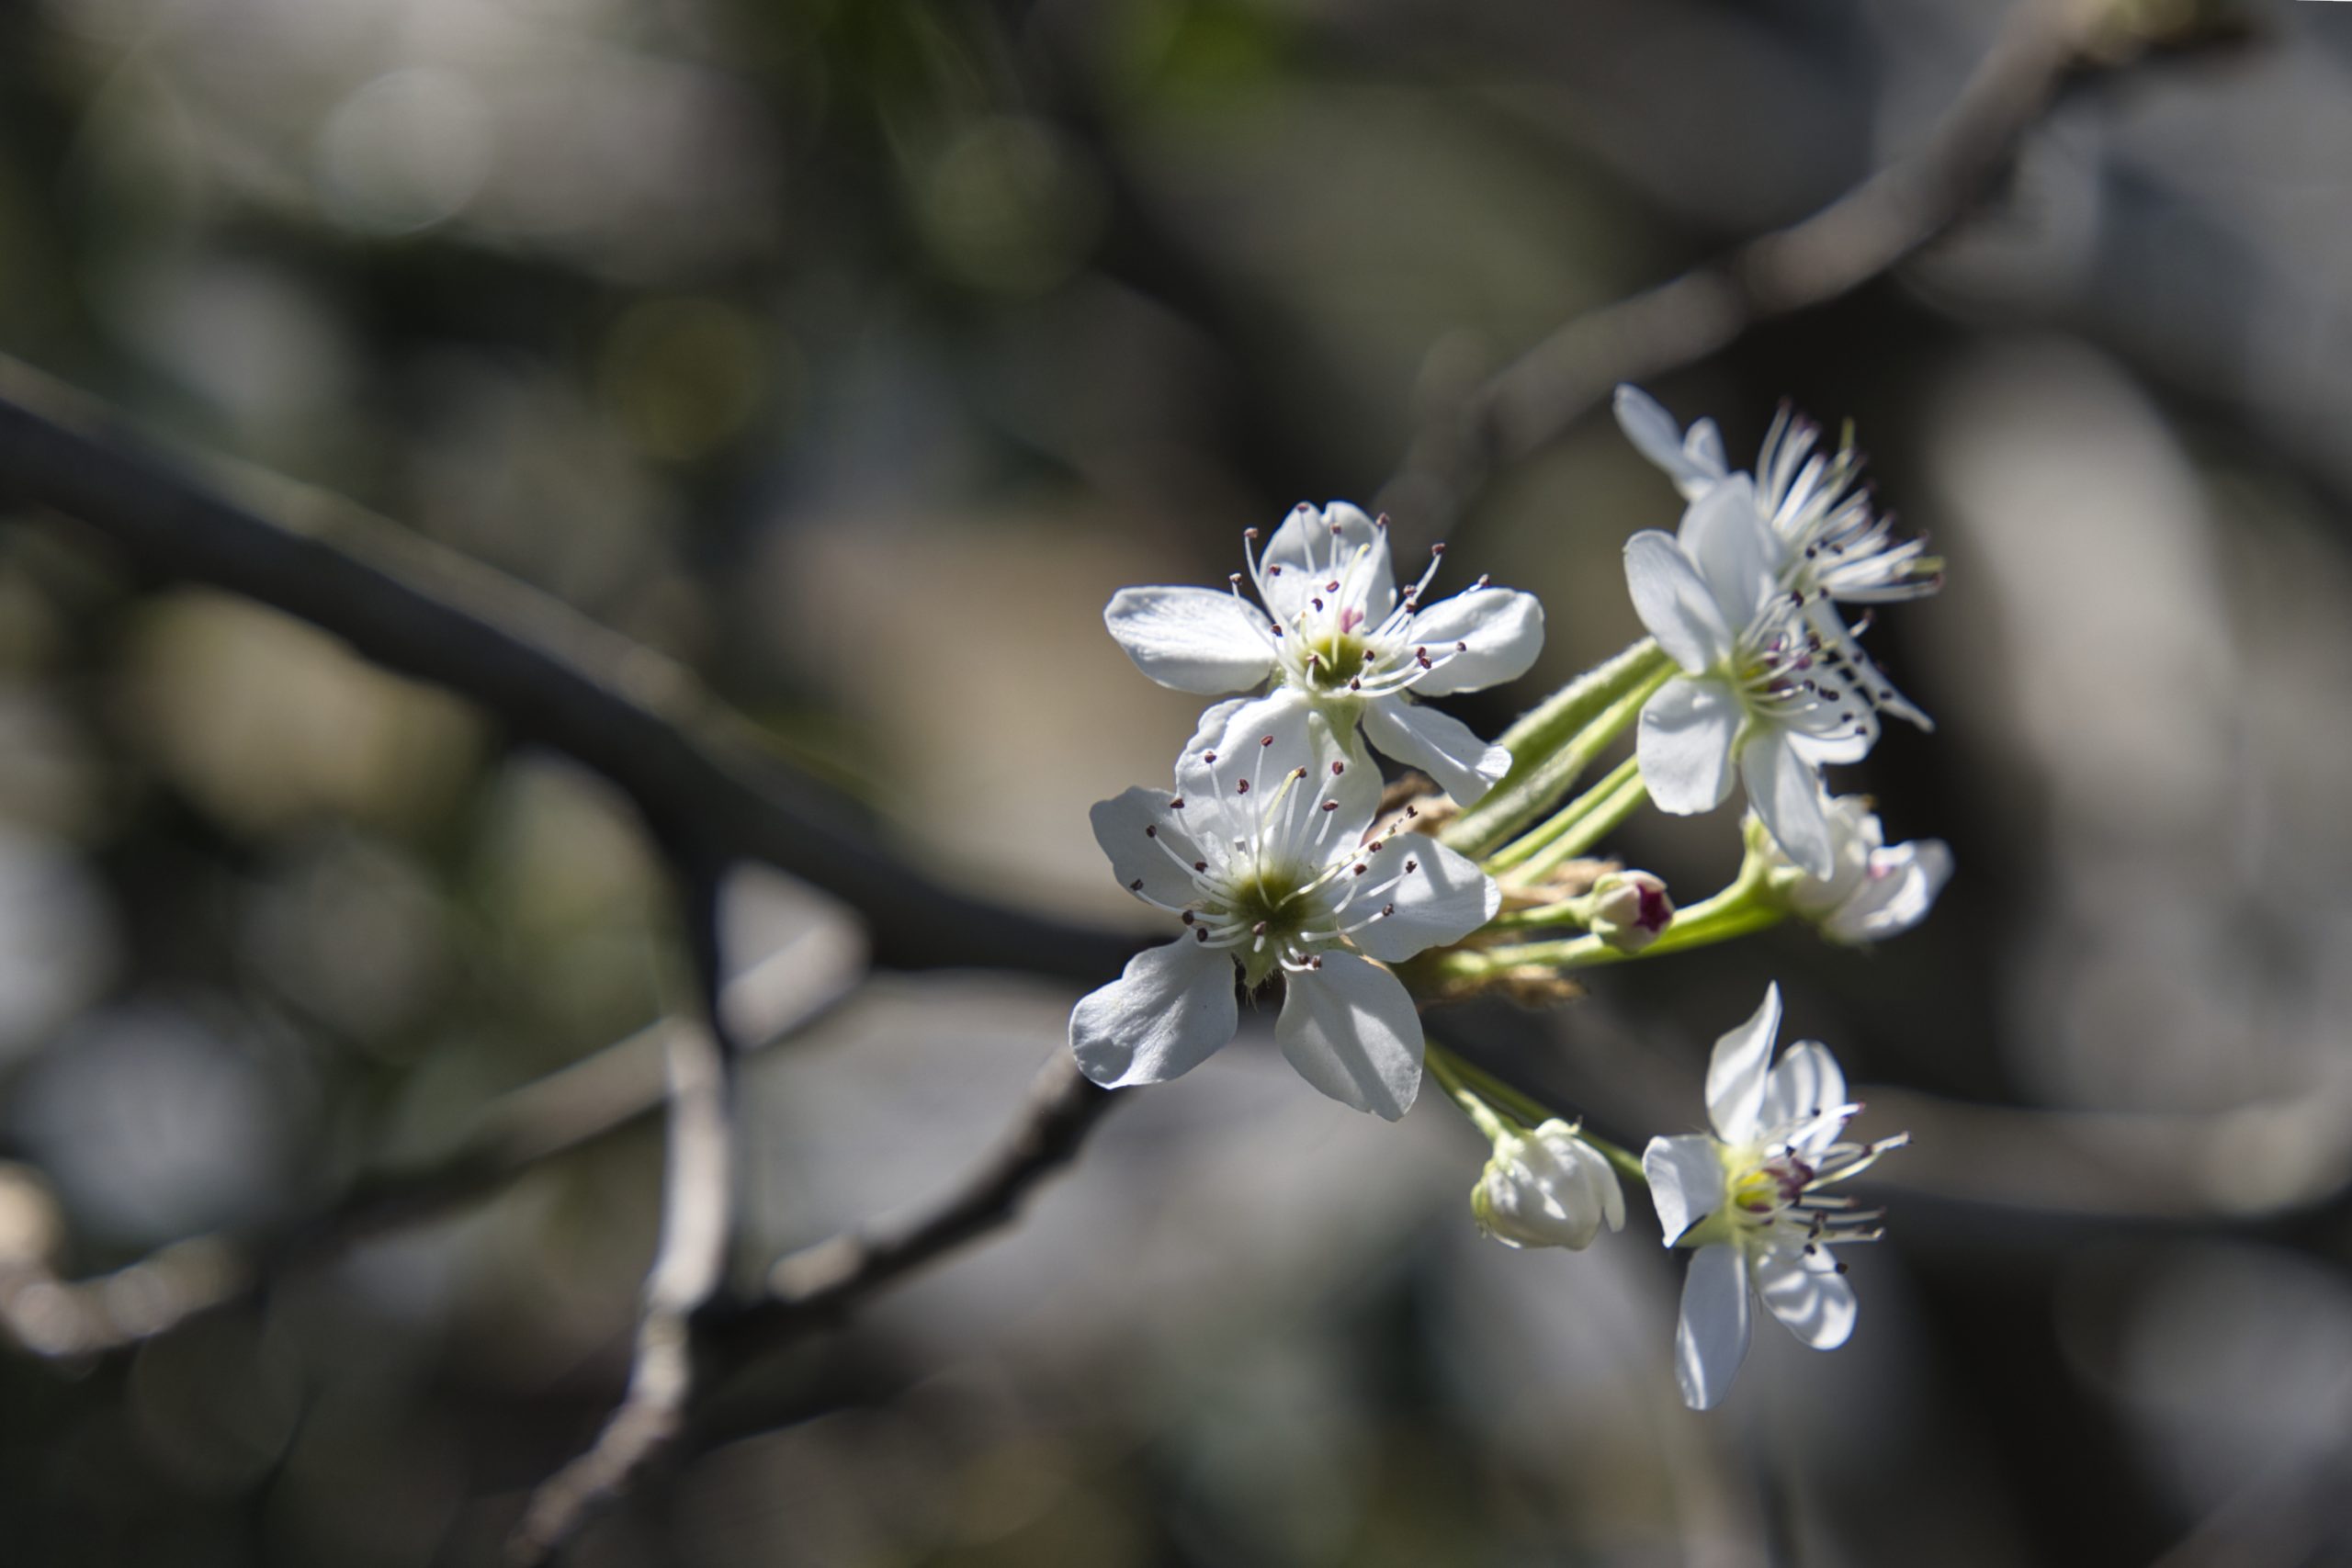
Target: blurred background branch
pixel 2044 47
pixel 695 769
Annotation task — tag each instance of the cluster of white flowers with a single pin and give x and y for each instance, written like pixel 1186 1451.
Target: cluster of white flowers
pixel 1265 849
pixel 1271 852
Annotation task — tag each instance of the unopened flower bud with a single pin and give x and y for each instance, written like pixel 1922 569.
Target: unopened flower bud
pixel 1547 1187
pixel 1630 909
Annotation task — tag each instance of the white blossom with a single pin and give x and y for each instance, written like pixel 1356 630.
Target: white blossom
pixel 1754 1201
pixel 1261 852
pixel 1758 688
pixel 1874 890
pixel 1832 546
pixel 1547 1187
pixel 1340 641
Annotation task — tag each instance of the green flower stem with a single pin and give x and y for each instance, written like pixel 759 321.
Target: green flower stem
pixel 1472 1087
pixel 1447 1068
pixel 1583 823
pixel 1740 910
pixel 1556 741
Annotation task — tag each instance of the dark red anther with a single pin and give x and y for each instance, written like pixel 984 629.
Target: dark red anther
pixel 1177 804
pixel 1150 831
pixel 1337 768
pixel 1241 787
pixel 1200 865
pixel 1265 740
pixel 1387 909
pixel 1330 806
pixel 1136 886
pixel 1412 866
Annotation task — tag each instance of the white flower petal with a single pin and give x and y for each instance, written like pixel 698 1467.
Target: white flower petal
pixel 1737 1072
pixel 1234 734
pixel 1843 740
pixel 1805 1085
pixel 1731 542
pixel 1685 744
pixel 1480 637
pixel 1808 1294
pixel 1165 1014
pixel 1193 638
pixel 1350 1030
pixel 1443 898
pixel 1694 462
pixel 1439 744
pixel 1702 447
pixel 1861 669
pixel 1686 1177
pixel 1711 1340
pixel 1137 858
pixel 1894 895
pixel 1337 544
pixel 1675 602
pixel 1786 793
pixel 1205 814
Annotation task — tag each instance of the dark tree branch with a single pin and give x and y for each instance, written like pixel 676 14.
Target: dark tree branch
pixel 694 767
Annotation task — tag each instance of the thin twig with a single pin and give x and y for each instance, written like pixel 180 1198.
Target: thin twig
pixel 690 764
pixel 698 1210
pixel 568 1110
pixel 690 1340
pixel 816 1286
pixel 689 1264
pixel 1901 207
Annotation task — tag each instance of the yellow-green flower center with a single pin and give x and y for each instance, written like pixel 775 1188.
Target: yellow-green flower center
pixel 1338 657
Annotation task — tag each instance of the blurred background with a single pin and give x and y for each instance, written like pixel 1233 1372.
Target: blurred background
pixel 852 351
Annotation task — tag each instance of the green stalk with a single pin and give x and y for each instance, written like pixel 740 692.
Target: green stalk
pixel 1555 743
pixel 1586 820
pixel 1473 1085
